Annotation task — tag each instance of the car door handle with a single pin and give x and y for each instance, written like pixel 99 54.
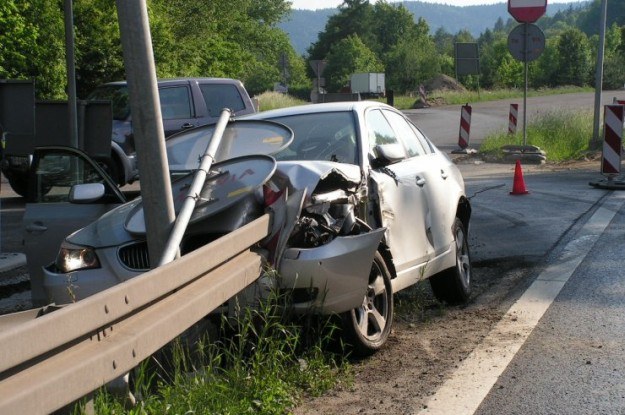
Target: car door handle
pixel 187 125
pixel 444 175
pixel 420 181
pixel 36 227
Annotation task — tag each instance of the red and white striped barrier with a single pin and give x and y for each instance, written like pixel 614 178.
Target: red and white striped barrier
pixel 465 126
pixel 512 119
pixel 613 137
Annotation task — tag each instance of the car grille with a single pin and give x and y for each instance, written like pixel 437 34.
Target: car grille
pixel 135 256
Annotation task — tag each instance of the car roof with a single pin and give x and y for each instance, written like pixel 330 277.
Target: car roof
pixel 357 106
pixel 166 81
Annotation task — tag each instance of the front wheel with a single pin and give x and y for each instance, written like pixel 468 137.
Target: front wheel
pixel 453 285
pixel 367 327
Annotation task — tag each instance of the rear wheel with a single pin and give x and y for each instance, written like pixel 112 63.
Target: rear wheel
pixel 366 328
pixel 453 285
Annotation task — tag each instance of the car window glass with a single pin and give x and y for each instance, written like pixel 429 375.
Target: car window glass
pixel 422 139
pixel 328 136
pixel 380 131
pixel 220 96
pixel 175 102
pixel 56 173
pixel 406 134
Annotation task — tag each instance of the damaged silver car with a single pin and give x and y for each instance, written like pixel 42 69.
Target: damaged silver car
pixel 363 205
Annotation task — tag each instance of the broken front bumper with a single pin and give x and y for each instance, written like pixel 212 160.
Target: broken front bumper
pixel 332 278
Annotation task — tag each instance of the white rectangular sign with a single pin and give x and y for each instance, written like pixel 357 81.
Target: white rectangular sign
pixel 527 3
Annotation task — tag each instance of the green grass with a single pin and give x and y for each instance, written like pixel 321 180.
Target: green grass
pixel 436 98
pixel 563 135
pixel 274 100
pixel 452 98
pixel 263 364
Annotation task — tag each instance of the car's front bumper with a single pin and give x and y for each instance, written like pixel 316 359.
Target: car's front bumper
pixel 332 278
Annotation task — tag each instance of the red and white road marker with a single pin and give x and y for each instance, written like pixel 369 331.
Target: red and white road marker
pixel 613 138
pixel 513 118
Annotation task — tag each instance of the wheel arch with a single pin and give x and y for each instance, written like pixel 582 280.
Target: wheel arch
pixel 463 212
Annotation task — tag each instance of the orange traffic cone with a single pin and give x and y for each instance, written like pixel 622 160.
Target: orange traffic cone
pixel 518 187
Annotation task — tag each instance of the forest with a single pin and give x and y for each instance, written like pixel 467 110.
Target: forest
pixel 241 39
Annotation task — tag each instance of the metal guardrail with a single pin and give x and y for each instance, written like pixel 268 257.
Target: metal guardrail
pixel 51 361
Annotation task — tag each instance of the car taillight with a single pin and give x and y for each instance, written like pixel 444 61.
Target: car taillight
pixel 271 194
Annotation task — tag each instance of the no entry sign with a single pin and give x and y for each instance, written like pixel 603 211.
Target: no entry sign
pixel 527 11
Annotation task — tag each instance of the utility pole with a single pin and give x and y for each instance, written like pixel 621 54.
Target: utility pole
pixel 71 73
pixel 599 75
pixel 147 124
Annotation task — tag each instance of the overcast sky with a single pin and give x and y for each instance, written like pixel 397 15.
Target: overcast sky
pixel 324 4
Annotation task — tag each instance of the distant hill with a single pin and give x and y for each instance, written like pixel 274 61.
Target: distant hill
pixel 304 25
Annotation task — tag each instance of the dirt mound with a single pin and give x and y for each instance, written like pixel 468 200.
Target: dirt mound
pixel 443 83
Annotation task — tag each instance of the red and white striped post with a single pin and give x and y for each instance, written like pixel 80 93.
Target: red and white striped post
pixel 613 137
pixel 512 119
pixel 465 129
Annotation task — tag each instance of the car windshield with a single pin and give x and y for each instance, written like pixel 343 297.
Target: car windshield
pixel 117 94
pixel 326 136
pixel 240 138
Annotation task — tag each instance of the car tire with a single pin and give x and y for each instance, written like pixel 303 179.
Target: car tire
pixel 367 327
pixel 453 285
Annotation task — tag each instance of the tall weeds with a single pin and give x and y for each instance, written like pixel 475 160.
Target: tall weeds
pixel 263 362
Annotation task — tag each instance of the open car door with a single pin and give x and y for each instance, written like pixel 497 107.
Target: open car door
pixel 50 214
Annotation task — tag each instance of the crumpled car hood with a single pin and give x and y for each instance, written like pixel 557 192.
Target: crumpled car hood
pixel 320 176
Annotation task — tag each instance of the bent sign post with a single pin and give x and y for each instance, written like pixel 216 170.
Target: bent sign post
pixel 527 11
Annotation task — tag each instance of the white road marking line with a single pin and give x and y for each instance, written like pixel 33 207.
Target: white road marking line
pixel 463 393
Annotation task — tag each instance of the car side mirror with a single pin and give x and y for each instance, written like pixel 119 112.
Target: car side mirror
pixel 387 154
pixel 86 193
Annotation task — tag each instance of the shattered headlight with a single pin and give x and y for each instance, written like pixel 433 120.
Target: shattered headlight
pixel 74 257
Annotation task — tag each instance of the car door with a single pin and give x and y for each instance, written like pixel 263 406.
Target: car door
pixel 49 216
pixel 177 108
pixel 397 190
pixel 434 174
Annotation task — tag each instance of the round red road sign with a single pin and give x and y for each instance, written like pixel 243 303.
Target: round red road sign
pixel 527 11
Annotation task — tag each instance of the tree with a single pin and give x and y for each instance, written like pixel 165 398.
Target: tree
pixel 574 63
pixel 355 17
pixel 31 45
pixel 348 56
pixel 411 62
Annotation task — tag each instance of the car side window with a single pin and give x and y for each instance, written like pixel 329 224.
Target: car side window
pixel 175 102
pixel 220 96
pixel 422 139
pixel 56 173
pixel 406 134
pixel 380 131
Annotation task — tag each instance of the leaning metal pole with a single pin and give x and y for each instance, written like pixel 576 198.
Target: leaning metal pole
pixel 184 216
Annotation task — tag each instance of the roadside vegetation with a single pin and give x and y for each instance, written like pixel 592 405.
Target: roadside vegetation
pixel 263 363
pixel 563 135
pixel 241 39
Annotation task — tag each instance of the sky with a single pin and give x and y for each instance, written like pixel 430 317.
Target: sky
pixel 324 4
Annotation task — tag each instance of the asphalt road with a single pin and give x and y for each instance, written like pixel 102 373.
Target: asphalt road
pixel 574 360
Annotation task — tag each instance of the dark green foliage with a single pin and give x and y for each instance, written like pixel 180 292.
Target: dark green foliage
pixel 226 38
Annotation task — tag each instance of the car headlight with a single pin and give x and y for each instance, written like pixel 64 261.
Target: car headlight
pixel 74 257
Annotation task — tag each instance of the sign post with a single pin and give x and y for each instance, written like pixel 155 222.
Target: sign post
pixel 526 42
